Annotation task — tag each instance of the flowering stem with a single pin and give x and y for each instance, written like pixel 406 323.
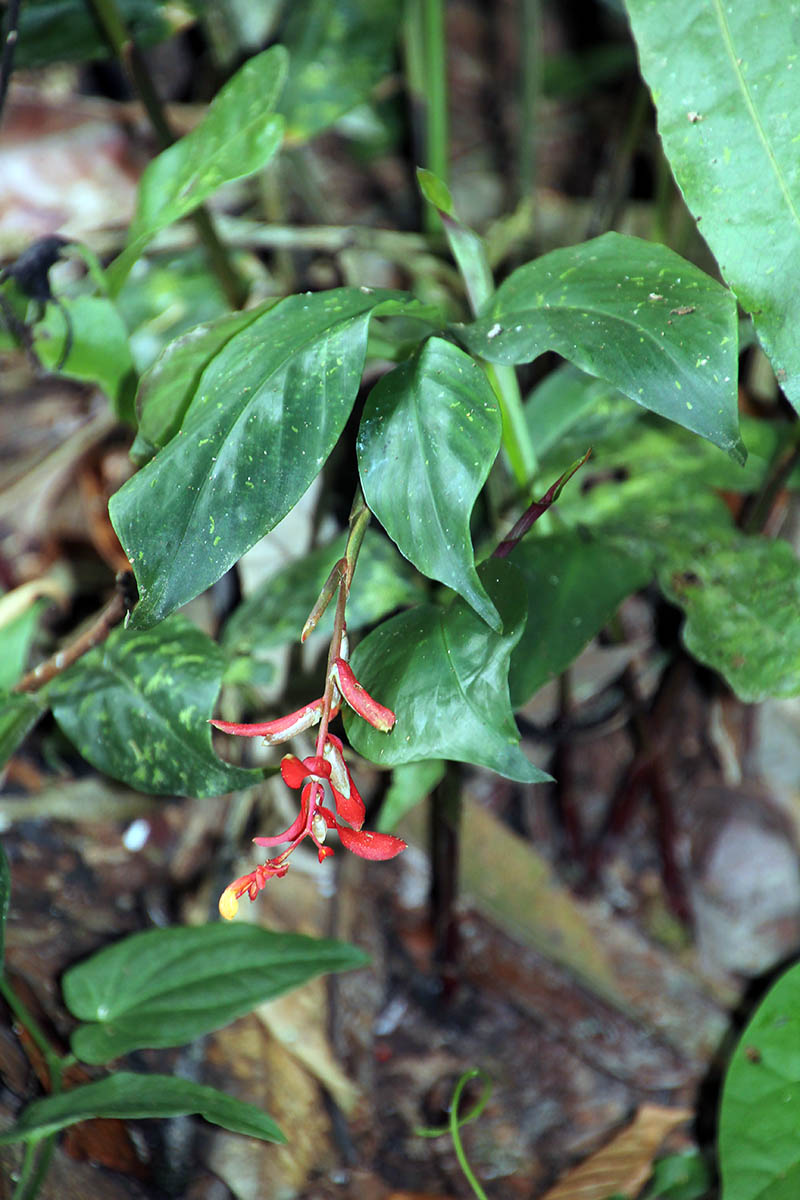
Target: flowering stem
pixel 535 510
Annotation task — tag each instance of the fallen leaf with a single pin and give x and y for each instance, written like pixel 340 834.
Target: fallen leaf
pixel 625 1164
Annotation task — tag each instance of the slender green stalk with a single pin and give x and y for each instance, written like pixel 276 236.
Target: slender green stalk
pixel 516 439
pixel 456 1122
pixel 119 38
pixel 32 1178
pixel 426 74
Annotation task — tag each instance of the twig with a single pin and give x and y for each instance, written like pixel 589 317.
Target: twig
pixel 537 509
pixel 109 618
pixel 9 49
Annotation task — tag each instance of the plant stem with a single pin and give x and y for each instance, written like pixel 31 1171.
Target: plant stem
pixel 9 49
pixel 516 439
pixel 445 815
pixel 426 74
pixel 130 56
pixel 455 1128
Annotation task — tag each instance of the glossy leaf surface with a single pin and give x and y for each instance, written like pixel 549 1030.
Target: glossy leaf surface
pixel 444 673
pixel 18 714
pixel 759 1149
pixel 138 706
pixel 129 1096
pixel 633 313
pixel 165 987
pixel 575 584
pixel 725 84
pixel 166 390
pixel 16 636
pixel 238 136
pixel 276 611
pixel 430 432
pixel 267 412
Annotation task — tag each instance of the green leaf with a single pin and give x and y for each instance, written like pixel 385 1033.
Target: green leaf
pixel 726 88
pixel 759 1150
pixel 137 708
pixel 100 352
pixel 128 1096
pixel 430 432
pixel 411 783
pixel 570 410
pixel 575 583
pixel 467 248
pixel 444 673
pixel 166 389
pixel 740 595
pixel 16 636
pixel 53 31
pixel 165 987
pixel 682 1176
pixel 18 714
pixel 633 313
pixel 268 410
pixel 276 612
pixel 5 896
pixel 237 137
pixel 338 53
pixel 435 191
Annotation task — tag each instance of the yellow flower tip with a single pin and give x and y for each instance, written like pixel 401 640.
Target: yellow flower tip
pixel 228 903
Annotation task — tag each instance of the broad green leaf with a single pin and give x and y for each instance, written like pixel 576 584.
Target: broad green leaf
pixel 725 83
pixel 18 714
pixel 575 584
pixel 430 432
pixel 5 896
pixel 128 1096
pixel 444 673
pixel 681 1176
pixel 411 783
pixel 276 612
pixel 166 389
pixel 52 31
pixel 740 596
pixel 632 313
pixel 237 137
pixel 338 53
pixel 100 352
pixel 759 1150
pixel 165 987
pixel 267 412
pixel 137 708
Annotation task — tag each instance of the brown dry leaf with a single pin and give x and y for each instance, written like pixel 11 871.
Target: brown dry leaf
pixel 625 1164
pixel 298 1022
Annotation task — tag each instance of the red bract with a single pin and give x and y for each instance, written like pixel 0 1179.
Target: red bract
pixel 311 774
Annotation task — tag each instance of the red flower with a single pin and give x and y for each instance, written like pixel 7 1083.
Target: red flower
pixel 311 775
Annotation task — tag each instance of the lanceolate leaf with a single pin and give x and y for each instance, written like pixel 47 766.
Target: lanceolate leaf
pixel 128 1096
pixel 575 584
pixel 238 136
pixel 18 714
pixel 444 673
pixel 725 83
pixel 633 313
pixel 759 1149
pixel 429 435
pixel 741 596
pixel 167 986
pixel 267 412
pixel 138 706
pixel 166 390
